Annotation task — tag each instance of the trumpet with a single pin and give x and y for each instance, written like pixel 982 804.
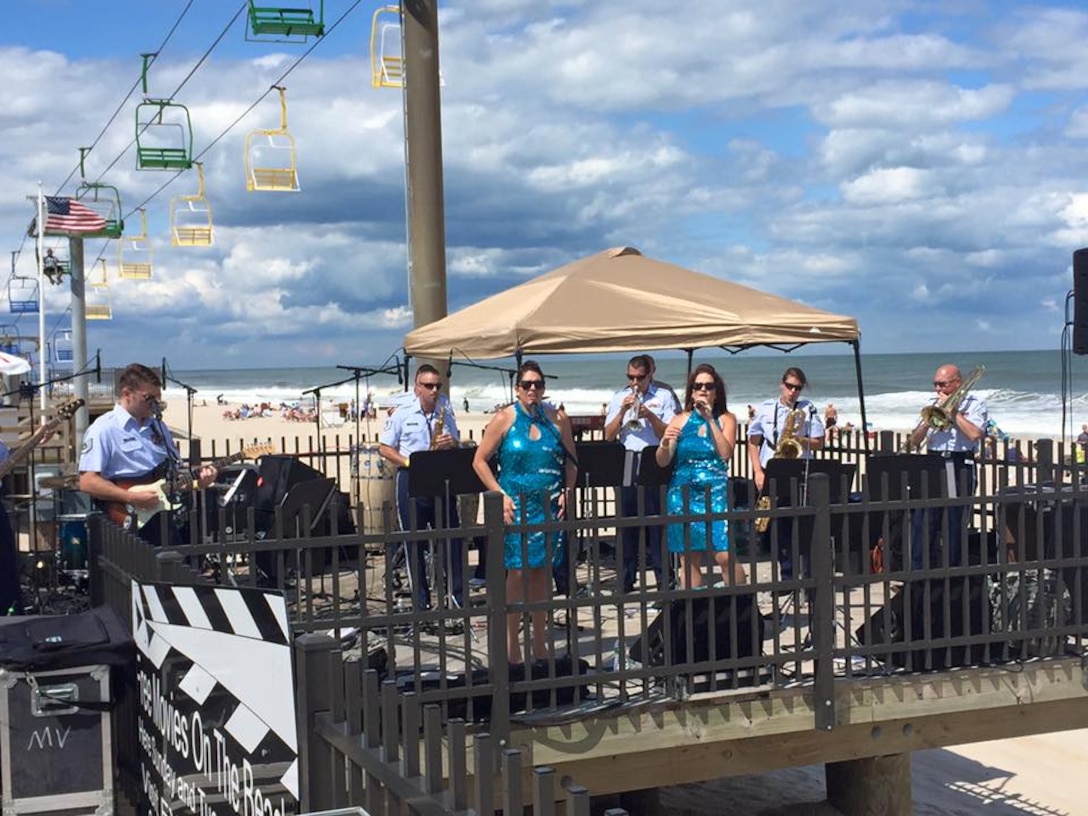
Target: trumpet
pixel 634 421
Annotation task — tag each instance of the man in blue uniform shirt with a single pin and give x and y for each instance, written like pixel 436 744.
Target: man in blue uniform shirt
pixel 131 444
pixel 413 427
pixel 958 444
pixel 766 432
pixel 637 415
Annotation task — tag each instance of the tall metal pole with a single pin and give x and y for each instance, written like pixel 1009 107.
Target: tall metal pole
pixel 423 134
pixel 41 300
pixel 79 332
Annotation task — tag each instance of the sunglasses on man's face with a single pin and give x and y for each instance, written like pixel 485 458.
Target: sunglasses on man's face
pixel 794 386
pixel 529 385
pixel 431 386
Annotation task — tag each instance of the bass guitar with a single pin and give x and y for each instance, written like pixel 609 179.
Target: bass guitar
pixel 63 413
pixel 134 518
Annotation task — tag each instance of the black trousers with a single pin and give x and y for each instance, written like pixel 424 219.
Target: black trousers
pixel 11 602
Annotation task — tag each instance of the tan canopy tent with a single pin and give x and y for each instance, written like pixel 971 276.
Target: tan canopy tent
pixel 620 300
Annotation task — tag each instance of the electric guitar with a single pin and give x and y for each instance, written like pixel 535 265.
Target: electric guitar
pixel 63 413
pixel 134 518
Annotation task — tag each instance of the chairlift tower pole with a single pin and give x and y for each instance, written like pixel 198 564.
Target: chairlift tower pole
pixel 79 332
pixel 423 139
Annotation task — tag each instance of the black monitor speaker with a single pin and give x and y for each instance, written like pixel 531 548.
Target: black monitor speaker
pixel 278 474
pixel 898 625
pixel 1080 301
pixel 735 633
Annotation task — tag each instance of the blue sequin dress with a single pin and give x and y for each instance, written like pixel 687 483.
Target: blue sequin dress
pixel 698 466
pixel 531 473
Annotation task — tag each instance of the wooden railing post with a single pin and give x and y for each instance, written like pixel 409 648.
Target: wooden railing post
pixel 498 657
pixel 314 665
pixel 823 605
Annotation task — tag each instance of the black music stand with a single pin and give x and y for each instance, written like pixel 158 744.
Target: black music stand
pixel 902 476
pixel 443 474
pixel 600 464
pixel 313 493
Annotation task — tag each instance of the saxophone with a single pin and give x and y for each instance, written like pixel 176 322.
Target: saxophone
pixel 787 448
pixel 438 427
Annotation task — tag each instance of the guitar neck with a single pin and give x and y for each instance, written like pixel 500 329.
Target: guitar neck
pixel 21 452
pixel 186 479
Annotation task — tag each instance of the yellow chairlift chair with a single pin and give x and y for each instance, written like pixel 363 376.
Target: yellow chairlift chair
pixel 191 216
pixel 271 158
pixel 134 254
pixel 386 60
pixel 98 306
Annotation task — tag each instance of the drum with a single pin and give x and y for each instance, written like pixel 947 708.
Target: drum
pixel 377 485
pixel 73 541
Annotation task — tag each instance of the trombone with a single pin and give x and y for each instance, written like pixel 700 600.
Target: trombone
pixel 939 417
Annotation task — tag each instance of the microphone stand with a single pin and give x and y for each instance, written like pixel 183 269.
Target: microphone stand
pixel 189 391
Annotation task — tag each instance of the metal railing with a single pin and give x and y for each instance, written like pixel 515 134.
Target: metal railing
pixel 1021 594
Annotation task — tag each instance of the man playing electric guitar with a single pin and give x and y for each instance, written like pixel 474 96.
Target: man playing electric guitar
pixel 131 445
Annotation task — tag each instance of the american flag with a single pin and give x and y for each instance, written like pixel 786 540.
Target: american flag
pixel 67 215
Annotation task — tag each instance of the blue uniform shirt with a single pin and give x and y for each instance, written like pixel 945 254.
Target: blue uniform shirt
pixel 952 441
pixel 770 421
pixel 118 447
pixel 409 429
pixel 658 401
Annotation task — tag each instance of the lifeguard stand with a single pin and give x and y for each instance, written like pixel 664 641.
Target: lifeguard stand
pixel 191 216
pixel 134 254
pixel 271 158
pixel 99 301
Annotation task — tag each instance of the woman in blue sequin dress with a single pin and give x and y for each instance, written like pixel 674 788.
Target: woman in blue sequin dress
pixel 700 440
pixel 536 476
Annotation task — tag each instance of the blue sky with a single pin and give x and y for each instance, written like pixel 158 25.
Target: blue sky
pixel 921 166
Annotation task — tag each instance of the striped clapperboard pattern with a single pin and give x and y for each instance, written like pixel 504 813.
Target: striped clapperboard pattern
pixel 223 654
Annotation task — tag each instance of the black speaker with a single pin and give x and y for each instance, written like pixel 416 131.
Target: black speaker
pixel 732 616
pixel 1080 301
pixel 278 474
pixel 927 606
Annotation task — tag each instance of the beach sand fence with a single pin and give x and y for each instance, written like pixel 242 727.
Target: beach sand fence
pixel 628 675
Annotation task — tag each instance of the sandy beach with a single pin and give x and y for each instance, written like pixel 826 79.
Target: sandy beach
pixel 1029 775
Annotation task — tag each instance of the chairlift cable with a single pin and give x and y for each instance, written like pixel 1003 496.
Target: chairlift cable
pixel 128 96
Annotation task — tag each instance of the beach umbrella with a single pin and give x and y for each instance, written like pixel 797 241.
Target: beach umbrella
pixel 12 365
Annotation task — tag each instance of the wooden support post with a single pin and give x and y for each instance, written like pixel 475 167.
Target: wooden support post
pixel 875 786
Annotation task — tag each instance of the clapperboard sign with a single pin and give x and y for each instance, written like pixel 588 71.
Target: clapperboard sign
pixel 216 701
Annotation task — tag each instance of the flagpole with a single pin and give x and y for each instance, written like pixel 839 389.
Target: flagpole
pixel 42 350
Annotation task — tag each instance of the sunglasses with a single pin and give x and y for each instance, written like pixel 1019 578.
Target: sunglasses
pixel 942 383
pixel 431 386
pixel 529 385
pixel 703 386
pixel 794 386
pixel 638 377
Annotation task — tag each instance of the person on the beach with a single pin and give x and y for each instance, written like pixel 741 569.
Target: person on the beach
pixel 537 477
pixel 131 446
pixel 424 422
pixel 831 420
pixel 775 419
pixel 637 415
pixel 959 443
pixel 1082 445
pixel 700 441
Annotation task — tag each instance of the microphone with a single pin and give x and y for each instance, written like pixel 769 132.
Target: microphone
pixel 163 371
pixel 98 367
pixel 156 408
pixel 449 366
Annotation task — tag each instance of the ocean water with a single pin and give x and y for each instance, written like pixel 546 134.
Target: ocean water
pixel 1023 389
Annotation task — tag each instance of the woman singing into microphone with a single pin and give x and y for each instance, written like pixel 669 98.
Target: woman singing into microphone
pixel 537 476
pixel 701 440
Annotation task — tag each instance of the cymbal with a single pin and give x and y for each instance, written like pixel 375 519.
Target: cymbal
pixel 69 482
